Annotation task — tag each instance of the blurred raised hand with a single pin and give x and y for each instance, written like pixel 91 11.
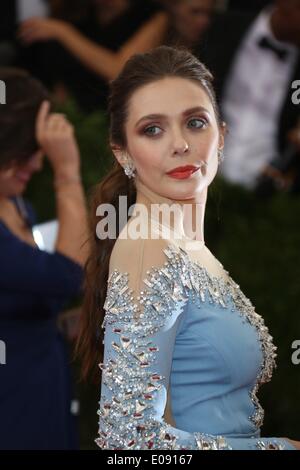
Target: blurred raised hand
pixel 41 29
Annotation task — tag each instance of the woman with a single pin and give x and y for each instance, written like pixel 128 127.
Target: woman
pixel 35 396
pixel 175 322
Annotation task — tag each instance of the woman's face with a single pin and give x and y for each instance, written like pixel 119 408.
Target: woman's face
pixel 192 17
pixel 171 123
pixel 14 179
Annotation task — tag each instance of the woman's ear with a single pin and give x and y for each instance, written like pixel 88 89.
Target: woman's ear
pixel 118 153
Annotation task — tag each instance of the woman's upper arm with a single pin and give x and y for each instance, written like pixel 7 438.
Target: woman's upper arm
pixel 27 269
pixel 140 329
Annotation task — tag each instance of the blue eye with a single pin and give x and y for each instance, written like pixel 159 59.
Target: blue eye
pixel 148 130
pixel 202 123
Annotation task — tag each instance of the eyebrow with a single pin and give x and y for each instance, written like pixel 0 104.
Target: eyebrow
pixel 185 113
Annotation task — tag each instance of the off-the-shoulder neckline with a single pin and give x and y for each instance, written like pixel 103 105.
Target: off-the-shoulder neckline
pixel 196 263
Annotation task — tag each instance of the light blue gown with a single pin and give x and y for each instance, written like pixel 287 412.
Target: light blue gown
pixel 186 337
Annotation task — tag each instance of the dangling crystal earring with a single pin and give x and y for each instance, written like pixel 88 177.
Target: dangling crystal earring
pixel 129 168
pixel 220 156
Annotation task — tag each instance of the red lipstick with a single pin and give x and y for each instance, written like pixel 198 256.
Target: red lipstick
pixel 182 172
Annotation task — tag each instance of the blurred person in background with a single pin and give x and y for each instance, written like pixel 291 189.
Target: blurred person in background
pixel 110 36
pixel 87 43
pixel 255 59
pixel 189 19
pixel 35 392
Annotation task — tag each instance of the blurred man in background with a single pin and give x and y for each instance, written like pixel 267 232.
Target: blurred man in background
pixel 255 59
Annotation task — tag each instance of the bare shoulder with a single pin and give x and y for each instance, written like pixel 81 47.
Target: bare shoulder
pixel 136 253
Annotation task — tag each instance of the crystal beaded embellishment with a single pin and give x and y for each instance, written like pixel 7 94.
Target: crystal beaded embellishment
pixel 127 420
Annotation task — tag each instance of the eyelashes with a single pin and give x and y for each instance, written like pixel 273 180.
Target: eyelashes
pixel 203 121
pixel 154 130
pixel 147 131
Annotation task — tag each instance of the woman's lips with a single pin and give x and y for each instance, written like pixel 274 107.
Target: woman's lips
pixel 182 172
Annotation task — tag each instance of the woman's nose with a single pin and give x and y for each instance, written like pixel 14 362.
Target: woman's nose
pixel 179 140
pixel 181 147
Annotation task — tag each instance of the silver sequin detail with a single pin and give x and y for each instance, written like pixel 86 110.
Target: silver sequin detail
pixel 269 445
pixel 209 442
pixel 127 420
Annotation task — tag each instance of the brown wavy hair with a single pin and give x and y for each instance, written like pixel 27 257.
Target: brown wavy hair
pixel 24 96
pixel 139 70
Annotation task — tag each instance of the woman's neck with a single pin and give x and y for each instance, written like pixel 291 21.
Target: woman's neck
pixel 5 202
pixel 184 217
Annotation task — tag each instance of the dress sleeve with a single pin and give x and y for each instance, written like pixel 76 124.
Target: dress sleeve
pixel 145 302
pixel 25 268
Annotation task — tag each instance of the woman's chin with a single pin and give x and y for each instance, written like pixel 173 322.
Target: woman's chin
pixel 187 190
